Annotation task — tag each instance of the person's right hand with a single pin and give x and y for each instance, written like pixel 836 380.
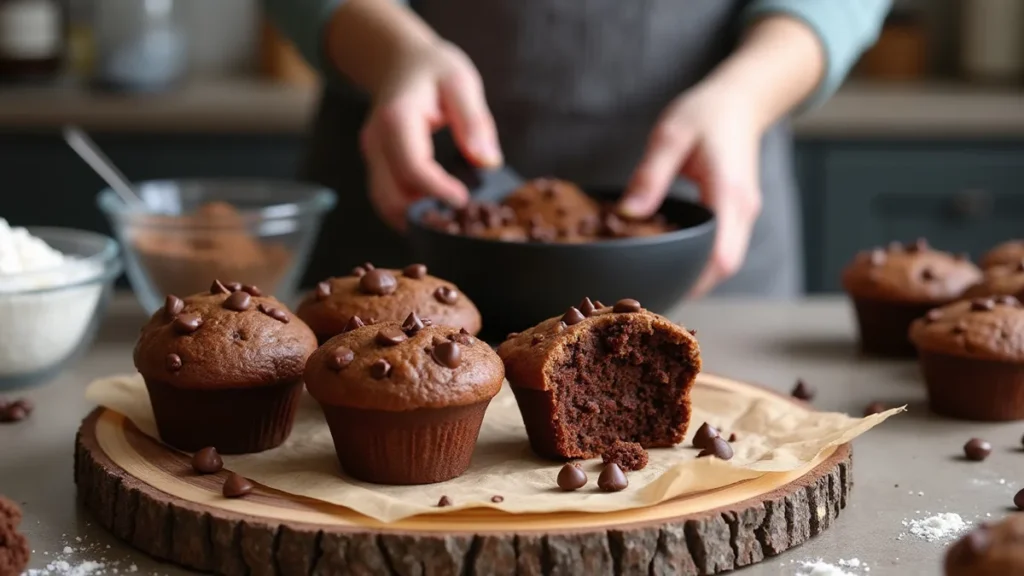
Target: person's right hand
pixel 423 91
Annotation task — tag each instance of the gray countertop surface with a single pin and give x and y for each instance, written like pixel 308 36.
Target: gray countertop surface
pixel 905 469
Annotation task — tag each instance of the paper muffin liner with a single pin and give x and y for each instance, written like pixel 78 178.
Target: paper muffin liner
pixel 422 446
pixel 884 326
pixel 973 388
pixel 233 420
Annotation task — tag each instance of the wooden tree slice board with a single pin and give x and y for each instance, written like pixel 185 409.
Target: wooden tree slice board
pixel 148 496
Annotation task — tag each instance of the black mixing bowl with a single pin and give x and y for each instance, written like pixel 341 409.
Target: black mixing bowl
pixel 517 284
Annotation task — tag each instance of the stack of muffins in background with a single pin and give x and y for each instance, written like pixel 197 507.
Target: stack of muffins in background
pixel 965 324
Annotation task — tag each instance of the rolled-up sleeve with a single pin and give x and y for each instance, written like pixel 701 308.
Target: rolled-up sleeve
pixel 302 22
pixel 846 28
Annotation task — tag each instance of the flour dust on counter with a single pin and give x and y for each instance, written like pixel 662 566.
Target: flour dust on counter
pixel 80 557
pixel 820 567
pixel 935 528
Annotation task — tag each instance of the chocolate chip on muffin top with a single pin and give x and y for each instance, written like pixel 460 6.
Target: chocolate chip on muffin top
pixel 984 328
pixel 230 336
pixel 912 273
pixel 377 294
pixel 399 366
pixel 999 280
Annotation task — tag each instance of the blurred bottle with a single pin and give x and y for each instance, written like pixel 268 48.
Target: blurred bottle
pixel 993 40
pixel 140 45
pixel 33 43
pixel 81 40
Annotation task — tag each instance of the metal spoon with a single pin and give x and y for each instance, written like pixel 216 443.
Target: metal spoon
pixel 80 142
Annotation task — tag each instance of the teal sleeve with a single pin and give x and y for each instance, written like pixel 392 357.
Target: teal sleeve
pixel 846 28
pixel 302 22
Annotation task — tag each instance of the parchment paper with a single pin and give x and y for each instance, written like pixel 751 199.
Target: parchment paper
pixel 775 435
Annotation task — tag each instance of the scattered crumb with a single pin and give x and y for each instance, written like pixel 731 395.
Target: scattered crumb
pixel 628 455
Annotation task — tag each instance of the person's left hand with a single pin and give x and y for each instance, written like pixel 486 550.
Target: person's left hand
pixel 711 135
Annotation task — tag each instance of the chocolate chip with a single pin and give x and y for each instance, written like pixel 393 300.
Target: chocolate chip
pixel 236 486
pixel 733 437
pixel 571 477
pixel 218 287
pixel 626 305
pixel 25 404
pixel 187 323
pixel 353 323
pixel 412 324
pixel 380 369
pixel 537 339
pixel 586 307
pixel 390 336
pixel 358 271
pixel 238 301
pixel 875 408
pixel 446 295
pixel 598 304
pixel 415 271
pixel 572 316
pixel 378 283
pixel 977 449
pixel 340 358
pixel 612 478
pixel 444 501
pixel 323 290
pixel 207 461
pixel 448 354
pixel 13 413
pixel 511 335
pixel 718 448
pixel 275 313
pixel 173 306
pixel 368 266
pixel 462 337
pixel 173 362
pixel 919 245
pixel 802 391
pixel 877 257
pixel 252 290
pixel 927 273
pixel 1018 500
pixel 933 315
pixel 692 331
pixel 982 304
pixel 704 435
pixel 497 498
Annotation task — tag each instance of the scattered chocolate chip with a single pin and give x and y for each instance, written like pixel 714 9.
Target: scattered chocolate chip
pixel 612 479
pixel 919 245
pixel 586 307
pixel 173 362
pixel 444 501
pixel 341 358
pixel 415 271
pixel 982 304
pixel 275 313
pixel 380 369
pixel 733 437
pixel 378 283
pixel 218 287
pixel 572 316
pixel 571 477
pixel 802 391
pixel 598 304
pixel 692 331
pixel 704 435
pixel 875 408
pixel 358 271
pixel 626 305
pixel 877 257
pixel 236 486
pixel 252 290
pixel 412 324
pixel 207 461
pixel 927 273
pixel 537 339
pixel 446 295
pixel 497 499
pixel 977 449
pixel 1018 500
pixel 238 301
pixel 390 336
pixel 718 448
pixel 462 337
pixel 233 286
pixel 448 354
pixel 323 290
pixel 187 323
pixel 353 323
pixel 933 315
pixel 173 306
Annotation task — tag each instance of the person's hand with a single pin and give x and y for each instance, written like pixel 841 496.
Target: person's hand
pixel 711 136
pixel 425 89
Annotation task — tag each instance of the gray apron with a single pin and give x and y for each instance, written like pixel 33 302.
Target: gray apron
pixel 575 87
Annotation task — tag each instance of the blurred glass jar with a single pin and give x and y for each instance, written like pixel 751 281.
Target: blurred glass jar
pixel 141 45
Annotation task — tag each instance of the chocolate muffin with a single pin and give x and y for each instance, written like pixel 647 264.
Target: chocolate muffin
pixel 989 550
pixel 376 294
pixel 595 376
pixel 1007 253
pixel 1000 280
pixel 14 550
pixel 404 401
pixel 972 357
pixel 893 286
pixel 224 369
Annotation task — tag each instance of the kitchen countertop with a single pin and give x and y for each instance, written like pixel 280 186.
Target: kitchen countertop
pixel 858 110
pixel 904 469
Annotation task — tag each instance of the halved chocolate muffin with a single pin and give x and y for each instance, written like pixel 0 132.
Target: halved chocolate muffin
pixel 599 374
pixel 369 295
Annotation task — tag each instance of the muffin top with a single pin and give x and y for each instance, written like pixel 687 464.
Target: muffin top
pixel 229 337
pixel 1010 252
pixel 983 328
pixel 537 349
pixel 989 550
pixel 403 366
pixel 912 273
pixel 377 294
pixel 999 280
